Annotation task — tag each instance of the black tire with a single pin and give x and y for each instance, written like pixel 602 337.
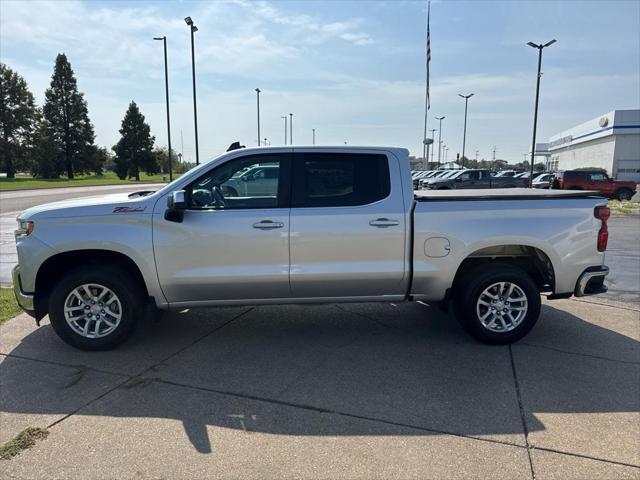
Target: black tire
pixel 131 297
pixel 624 194
pixel 469 289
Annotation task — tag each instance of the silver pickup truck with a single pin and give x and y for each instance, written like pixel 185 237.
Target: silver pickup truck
pixel 337 224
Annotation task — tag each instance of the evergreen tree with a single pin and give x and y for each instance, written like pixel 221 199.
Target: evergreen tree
pixel 134 150
pixel 65 111
pixel 17 121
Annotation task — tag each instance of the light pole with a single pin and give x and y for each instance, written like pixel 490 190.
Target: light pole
pixel 285 129
pixel 535 113
pixel 166 91
pixel 258 104
pixel 314 136
pixel 439 138
pixel 433 134
pixel 194 29
pixel 464 133
pixel 291 128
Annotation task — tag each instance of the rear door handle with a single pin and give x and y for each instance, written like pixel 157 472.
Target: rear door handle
pixel 383 223
pixel 268 225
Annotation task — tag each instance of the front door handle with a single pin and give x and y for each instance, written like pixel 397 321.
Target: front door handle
pixel 268 225
pixel 383 223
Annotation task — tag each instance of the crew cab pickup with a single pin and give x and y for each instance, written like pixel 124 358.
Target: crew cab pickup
pixel 339 224
pixel 595 180
pixel 474 178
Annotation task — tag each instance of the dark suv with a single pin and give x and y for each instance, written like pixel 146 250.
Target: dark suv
pixel 594 180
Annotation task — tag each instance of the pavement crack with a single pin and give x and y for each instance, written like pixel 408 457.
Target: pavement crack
pixel 525 429
pixel 313 408
pixel 68 365
pixel 588 355
pixel 588 457
pixel 155 366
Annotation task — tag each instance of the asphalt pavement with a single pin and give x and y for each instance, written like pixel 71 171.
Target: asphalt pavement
pixel 335 391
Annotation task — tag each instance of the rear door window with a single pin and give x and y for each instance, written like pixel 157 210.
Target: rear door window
pixel 339 179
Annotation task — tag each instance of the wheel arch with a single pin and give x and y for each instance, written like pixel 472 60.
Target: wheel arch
pixel 532 259
pixel 57 265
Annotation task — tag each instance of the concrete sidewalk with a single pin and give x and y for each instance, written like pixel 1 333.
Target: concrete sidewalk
pixel 335 391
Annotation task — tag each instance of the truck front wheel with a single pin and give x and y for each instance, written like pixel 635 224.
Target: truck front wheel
pixel 497 304
pixel 94 307
pixel 624 194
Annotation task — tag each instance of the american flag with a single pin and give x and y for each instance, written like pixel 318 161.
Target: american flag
pixel 428 54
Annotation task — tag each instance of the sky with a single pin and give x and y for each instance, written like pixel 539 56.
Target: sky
pixel 353 70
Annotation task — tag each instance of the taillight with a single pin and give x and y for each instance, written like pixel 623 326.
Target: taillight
pixel 602 213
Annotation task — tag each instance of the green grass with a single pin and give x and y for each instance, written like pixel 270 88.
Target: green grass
pixel 25 439
pixel 8 306
pixel 109 178
pixel 624 208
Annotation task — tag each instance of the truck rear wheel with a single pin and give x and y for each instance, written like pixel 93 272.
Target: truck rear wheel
pixel 624 194
pixel 95 307
pixel 497 304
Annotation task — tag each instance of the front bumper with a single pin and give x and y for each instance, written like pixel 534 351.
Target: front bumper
pixel 25 300
pixel 591 282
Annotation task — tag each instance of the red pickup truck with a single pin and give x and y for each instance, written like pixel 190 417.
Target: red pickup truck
pixel 594 180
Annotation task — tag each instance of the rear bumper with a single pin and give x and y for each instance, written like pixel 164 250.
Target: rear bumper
pixel 25 300
pixel 591 282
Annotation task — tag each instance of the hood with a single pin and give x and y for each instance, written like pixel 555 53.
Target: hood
pixel 112 204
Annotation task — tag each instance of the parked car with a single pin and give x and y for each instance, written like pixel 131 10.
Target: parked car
pixel 506 173
pixel 595 180
pixel 543 180
pixel 342 225
pixel 475 178
pixel 438 175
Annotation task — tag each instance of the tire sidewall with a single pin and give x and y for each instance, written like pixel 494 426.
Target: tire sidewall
pixel 476 283
pixel 110 277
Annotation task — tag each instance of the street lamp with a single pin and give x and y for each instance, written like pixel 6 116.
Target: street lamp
pixel 291 128
pixel 285 129
pixel 194 29
pixel 535 114
pixel 464 134
pixel 439 138
pixel 166 91
pixel 258 102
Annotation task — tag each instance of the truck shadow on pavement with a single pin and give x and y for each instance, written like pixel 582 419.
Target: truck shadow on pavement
pixel 357 369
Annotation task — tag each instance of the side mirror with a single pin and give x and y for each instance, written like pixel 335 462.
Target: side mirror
pixel 458 179
pixel 176 205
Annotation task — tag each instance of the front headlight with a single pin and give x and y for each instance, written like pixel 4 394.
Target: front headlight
pixel 25 228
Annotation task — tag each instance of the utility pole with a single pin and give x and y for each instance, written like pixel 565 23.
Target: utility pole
pixel 193 30
pixel 285 129
pixel 166 91
pixel 314 136
pixel 291 128
pixel 535 113
pixel 439 139
pixel 464 134
pixel 433 135
pixel 258 103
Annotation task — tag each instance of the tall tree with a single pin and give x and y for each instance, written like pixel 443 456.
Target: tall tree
pixel 65 111
pixel 134 150
pixel 18 115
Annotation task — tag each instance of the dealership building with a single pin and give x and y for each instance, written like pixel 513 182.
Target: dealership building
pixel 610 141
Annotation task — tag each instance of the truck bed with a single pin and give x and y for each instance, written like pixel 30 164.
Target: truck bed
pixel 501 194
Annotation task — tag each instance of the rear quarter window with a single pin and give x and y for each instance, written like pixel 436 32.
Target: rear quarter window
pixel 339 179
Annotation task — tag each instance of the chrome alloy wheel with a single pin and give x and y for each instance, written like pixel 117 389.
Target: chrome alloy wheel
pixel 501 307
pixel 92 310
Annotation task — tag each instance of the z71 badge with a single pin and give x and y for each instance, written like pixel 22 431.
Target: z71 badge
pixel 128 209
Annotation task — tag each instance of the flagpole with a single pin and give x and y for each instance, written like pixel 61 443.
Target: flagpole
pixel 426 94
